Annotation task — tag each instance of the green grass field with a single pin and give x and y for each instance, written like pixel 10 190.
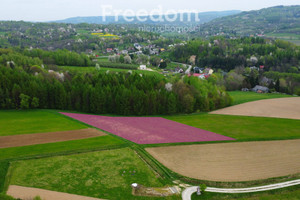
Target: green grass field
pixel 14 122
pixel 104 70
pixel 243 128
pixel 293 38
pixel 103 174
pixel 73 146
pixel 94 166
pixel 244 97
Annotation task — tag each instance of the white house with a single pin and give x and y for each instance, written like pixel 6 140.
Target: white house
pixel 143 67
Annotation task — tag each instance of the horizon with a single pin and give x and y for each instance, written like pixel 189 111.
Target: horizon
pixel 45 11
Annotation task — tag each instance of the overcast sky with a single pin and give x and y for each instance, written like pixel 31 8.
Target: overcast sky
pixel 47 10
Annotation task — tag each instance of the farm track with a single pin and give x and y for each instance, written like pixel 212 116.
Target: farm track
pixel 187 193
pixel 232 162
pixel 43 138
pixel 279 108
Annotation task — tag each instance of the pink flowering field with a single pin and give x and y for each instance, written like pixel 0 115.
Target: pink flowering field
pixel 148 130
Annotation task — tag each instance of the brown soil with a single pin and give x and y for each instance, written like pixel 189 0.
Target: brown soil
pixel 279 108
pixel 42 138
pixel 27 193
pixel 232 162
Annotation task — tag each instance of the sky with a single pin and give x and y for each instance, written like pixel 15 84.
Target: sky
pixel 50 10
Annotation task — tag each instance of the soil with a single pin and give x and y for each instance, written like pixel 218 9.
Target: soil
pixel 27 193
pixel 278 108
pixel 42 138
pixel 232 162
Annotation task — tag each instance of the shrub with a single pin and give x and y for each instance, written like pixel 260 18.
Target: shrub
pixel 35 102
pixel 203 188
pixel 24 101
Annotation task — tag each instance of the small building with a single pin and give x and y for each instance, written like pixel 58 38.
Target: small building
pixel 260 89
pixel 125 52
pixel 209 71
pixel 198 70
pixel 109 50
pixel 143 67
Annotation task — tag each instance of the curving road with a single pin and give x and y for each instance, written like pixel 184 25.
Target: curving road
pixel 188 71
pixel 187 193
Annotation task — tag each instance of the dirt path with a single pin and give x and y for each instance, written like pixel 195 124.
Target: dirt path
pixel 279 108
pixel 231 162
pixel 42 138
pixel 187 193
pixel 27 193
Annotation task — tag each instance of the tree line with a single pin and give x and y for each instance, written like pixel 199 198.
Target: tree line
pixel 112 93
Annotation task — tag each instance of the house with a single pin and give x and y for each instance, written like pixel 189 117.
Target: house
pixel 193 59
pixel 137 46
pixel 201 76
pixel 260 89
pixel 154 51
pixel 254 68
pixel 245 90
pixel 89 51
pixel 198 70
pixel 179 70
pixel 125 52
pixel 209 71
pixel 143 67
pixel 109 50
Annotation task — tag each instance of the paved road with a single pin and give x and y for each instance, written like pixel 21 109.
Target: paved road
pixel 187 193
pixel 188 71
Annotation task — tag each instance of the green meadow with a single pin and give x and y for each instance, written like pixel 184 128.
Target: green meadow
pixel 243 128
pixel 13 122
pixel 244 97
pixel 103 174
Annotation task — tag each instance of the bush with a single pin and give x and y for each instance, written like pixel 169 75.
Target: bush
pixel 24 101
pixel 35 102
pixel 203 188
pixel 5 197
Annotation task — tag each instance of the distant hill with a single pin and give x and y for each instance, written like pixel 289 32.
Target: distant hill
pixel 204 18
pixel 274 20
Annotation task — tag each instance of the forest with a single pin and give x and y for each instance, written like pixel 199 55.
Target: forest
pixel 227 54
pixel 25 84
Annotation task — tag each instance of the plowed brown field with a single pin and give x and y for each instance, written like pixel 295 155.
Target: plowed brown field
pixel 279 108
pixel 232 162
pixel 42 138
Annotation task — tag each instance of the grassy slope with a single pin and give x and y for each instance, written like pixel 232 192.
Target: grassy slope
pixel 14 122
pixel 243 97
pixel 243 128
pixel 97 174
